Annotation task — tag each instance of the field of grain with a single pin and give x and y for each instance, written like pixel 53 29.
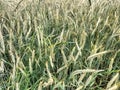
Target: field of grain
pixel 60 45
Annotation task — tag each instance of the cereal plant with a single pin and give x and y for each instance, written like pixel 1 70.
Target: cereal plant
pixel 60 45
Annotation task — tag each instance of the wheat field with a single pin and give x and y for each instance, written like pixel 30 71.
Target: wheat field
pixel 60 45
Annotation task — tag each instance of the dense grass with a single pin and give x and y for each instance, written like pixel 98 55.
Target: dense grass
pixel 61 45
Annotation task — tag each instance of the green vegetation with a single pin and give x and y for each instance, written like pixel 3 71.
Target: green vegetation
pixel 61 45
